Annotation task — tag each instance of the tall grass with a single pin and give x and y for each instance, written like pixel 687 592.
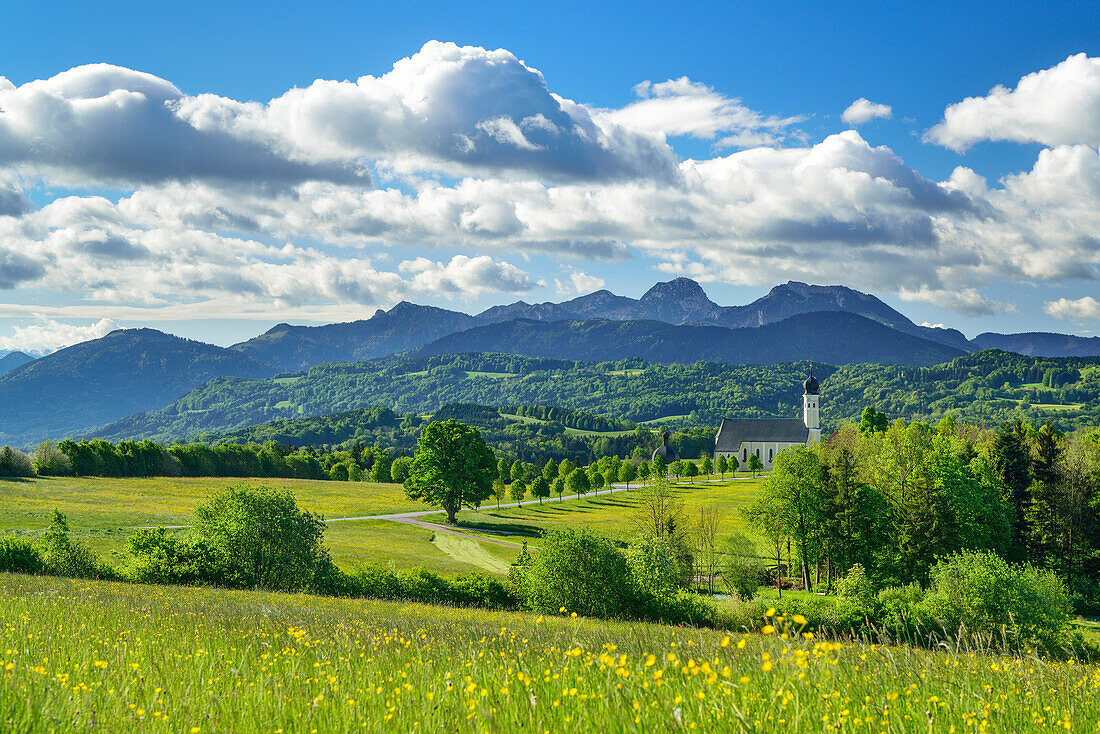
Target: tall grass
pixel 96 656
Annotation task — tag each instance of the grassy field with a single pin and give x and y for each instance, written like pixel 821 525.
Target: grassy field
pixel 612 514
pixel 407 546
pixel 1057 406
pixel 103 511
pixel 568 430
pixel 662 419
pixel 94 656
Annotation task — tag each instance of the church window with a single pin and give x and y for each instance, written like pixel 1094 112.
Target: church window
pixel 744 455
pixel 771 453
pixel 758 453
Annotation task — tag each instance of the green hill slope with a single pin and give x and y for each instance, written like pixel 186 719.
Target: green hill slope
pixel 990 386
pixel 88 384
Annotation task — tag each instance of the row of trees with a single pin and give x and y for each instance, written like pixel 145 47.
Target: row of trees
pixel 150 459
pixel 893 501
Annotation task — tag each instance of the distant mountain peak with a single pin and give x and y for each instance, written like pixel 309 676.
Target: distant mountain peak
pixel 681 289
pixel 12 360
pixel 407 308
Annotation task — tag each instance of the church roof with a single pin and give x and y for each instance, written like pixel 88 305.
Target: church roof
pixel 667 454
pixel 733 432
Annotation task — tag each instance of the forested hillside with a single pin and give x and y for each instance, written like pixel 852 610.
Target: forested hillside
pixel 632 390
pixel 529 433
pixel 988 387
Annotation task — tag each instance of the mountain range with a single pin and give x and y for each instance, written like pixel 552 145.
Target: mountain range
pixel 835 338
pixel 677 302
pixel 130 371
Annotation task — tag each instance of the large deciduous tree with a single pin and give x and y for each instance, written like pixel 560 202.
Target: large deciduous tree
pixel 793 492
pixel 452 468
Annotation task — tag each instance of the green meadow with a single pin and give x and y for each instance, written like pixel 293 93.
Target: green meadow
pixel 612 514
pixel 111 657
pixel 103 512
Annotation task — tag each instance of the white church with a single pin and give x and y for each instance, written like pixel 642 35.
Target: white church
pixel 766 437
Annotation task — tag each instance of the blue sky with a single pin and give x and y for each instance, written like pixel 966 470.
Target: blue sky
pixel 121 225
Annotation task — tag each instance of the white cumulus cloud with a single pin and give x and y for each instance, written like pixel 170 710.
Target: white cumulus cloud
pixel 252 209
pixel 446 108
pixel 47 335
pixel 1055 106
pixel 467 276
pixel 864 110
pixel 681 107
pixel 1081 309
pixel 579 283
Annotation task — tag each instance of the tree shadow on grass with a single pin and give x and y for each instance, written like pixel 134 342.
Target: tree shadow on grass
pixel 549 510
pixel 614 503
pixel 16 480
pixel 504 527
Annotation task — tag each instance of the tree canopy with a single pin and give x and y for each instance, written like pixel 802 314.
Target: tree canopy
pixel 452 468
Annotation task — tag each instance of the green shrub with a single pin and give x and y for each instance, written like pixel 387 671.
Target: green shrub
pixel 262 540
pixel 979 593
pixel 580 571
pixel 373 582
pixel 63 556
pixel 857 588
pixel 470 590
pixel 19 556
pixel 654 566
pixel 482 590
pixel 683 607
pixel 899 610
pixel 159 557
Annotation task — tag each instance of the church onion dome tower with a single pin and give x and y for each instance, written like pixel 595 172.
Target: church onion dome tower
pixel 811 408
pixel 666 452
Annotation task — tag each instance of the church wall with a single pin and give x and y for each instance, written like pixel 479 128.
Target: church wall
pixel 766 450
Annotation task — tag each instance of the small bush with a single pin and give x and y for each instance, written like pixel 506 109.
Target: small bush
pixel 857 588
pixel 419 585
pixel 159 557
pixel 742 576
pixel 654 566
pixel 979 593
pixel 63 556
pixel 581 572
pixel 899 610
pixel 263 540
pixel 481 590
pixel 19 556
pixel 683 607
